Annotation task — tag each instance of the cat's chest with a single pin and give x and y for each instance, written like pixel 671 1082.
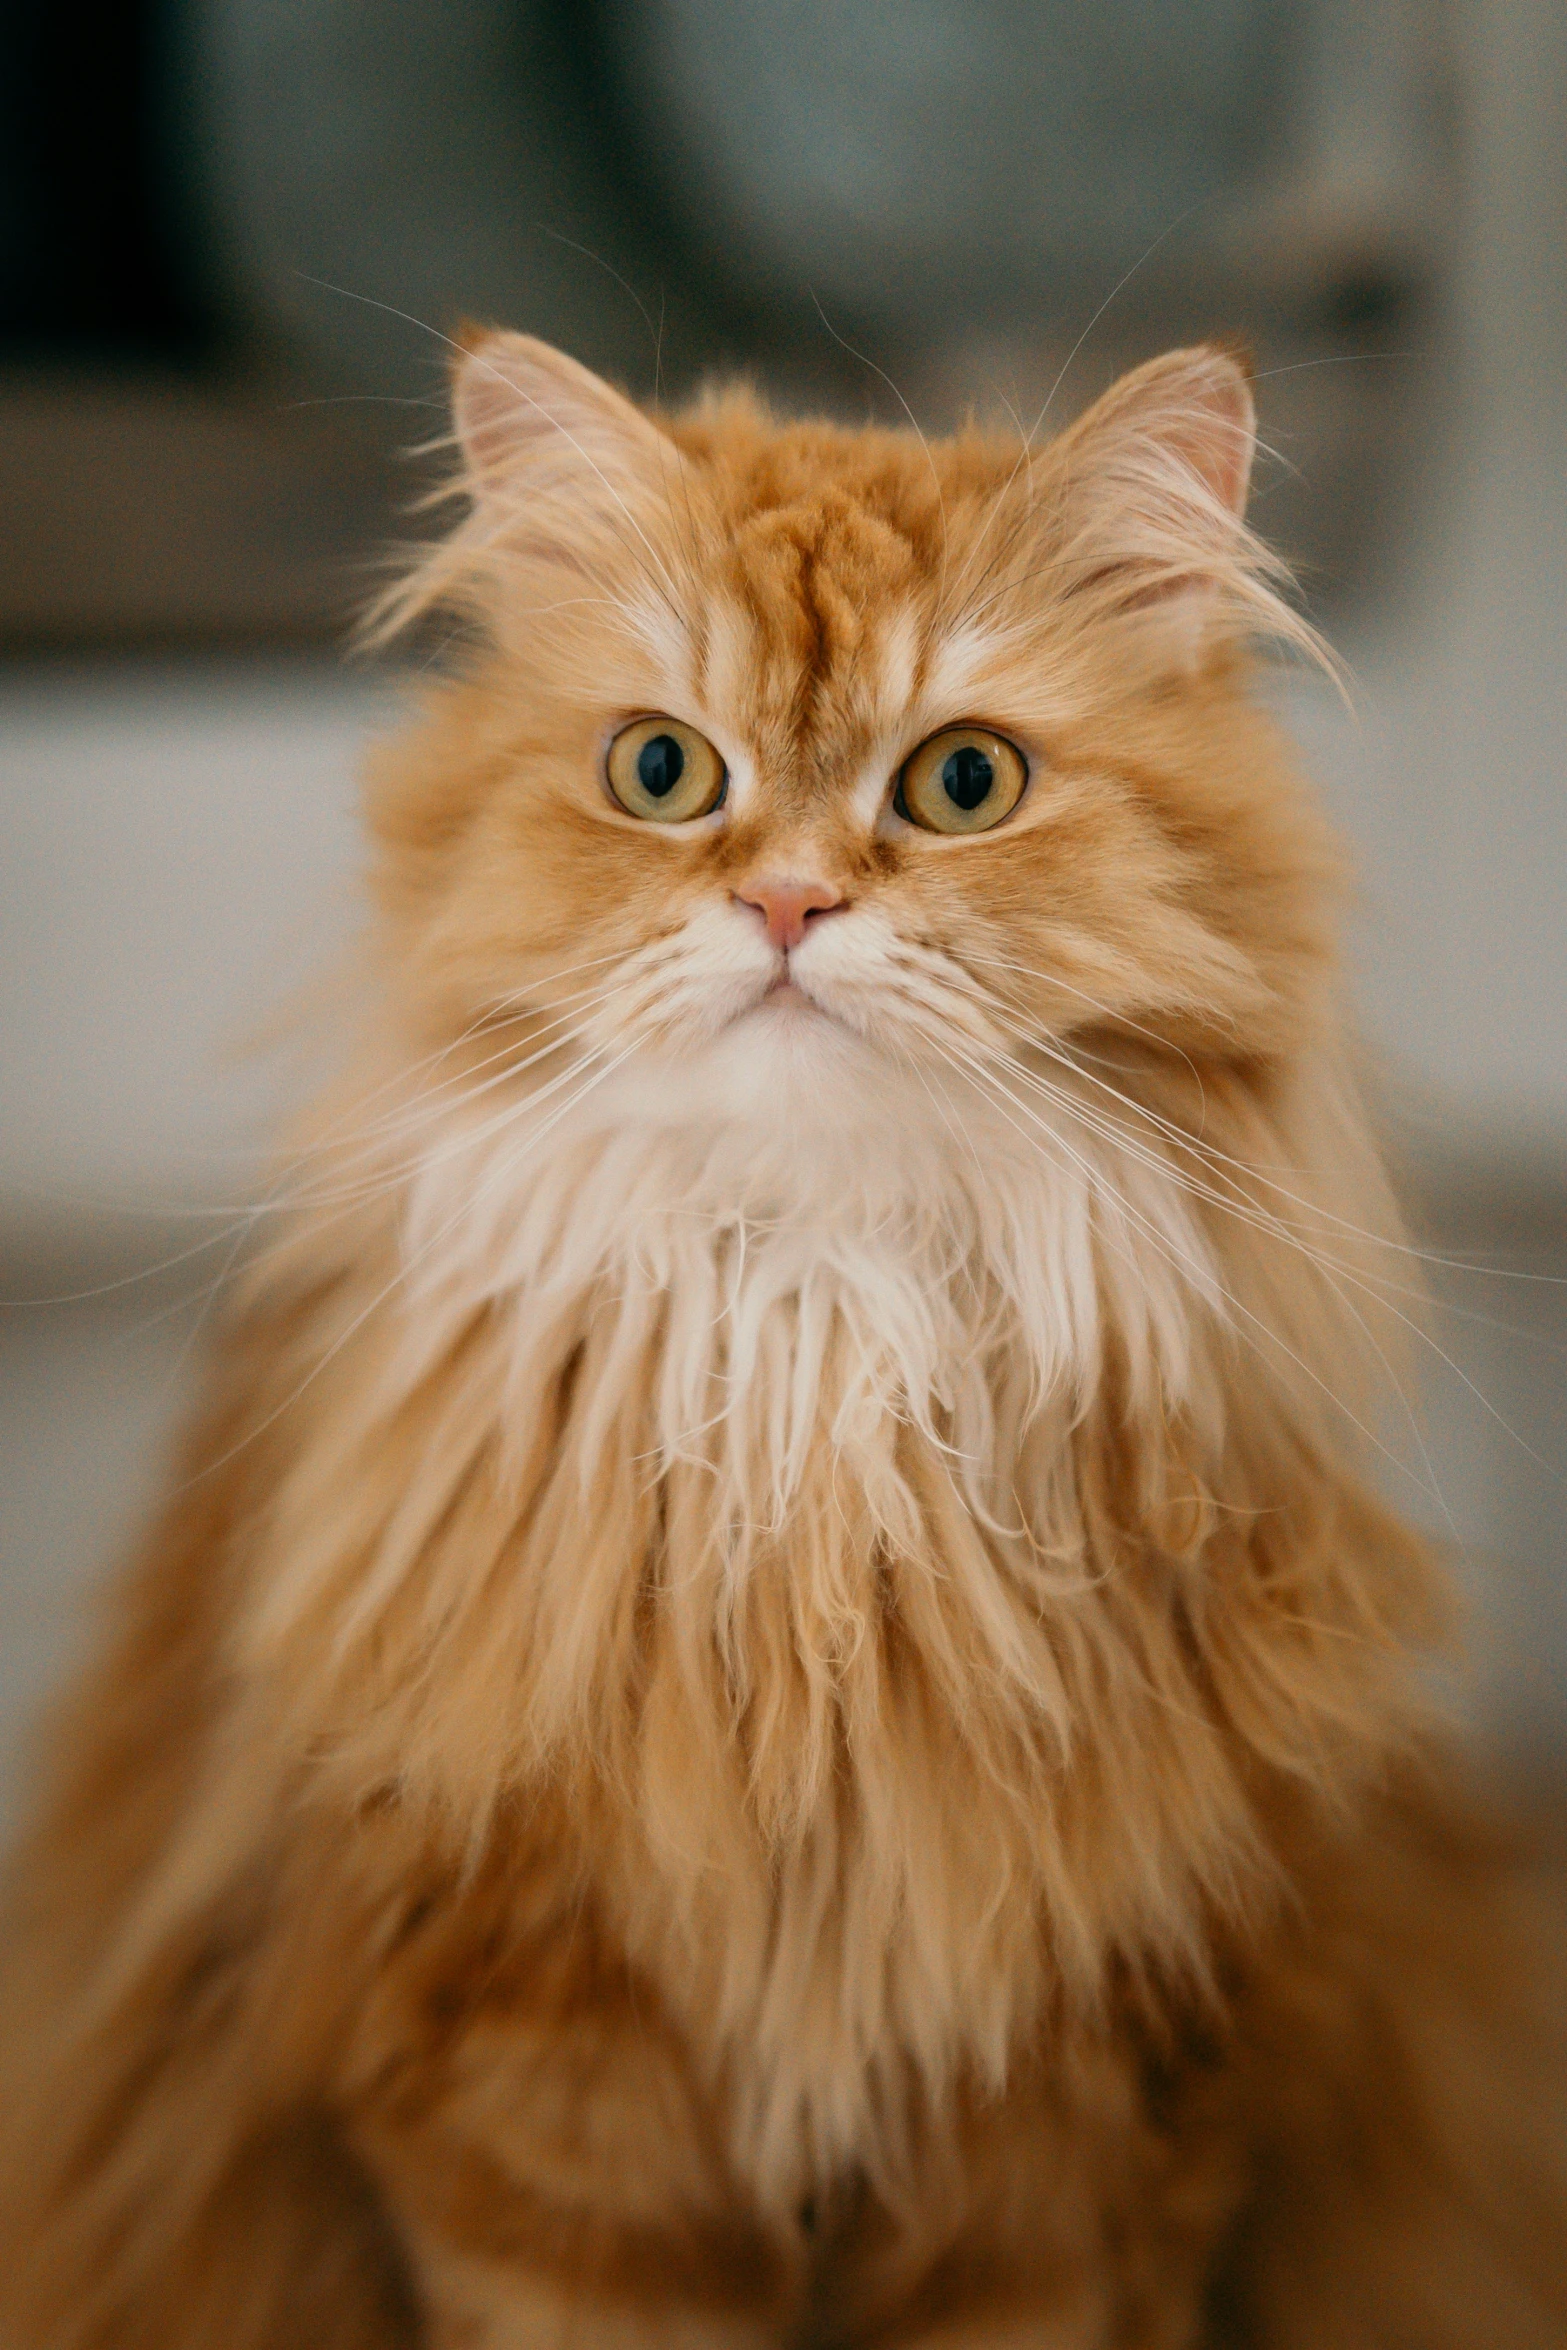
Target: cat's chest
pixel 839 1795
pixel 755 1530
pixel 826 1993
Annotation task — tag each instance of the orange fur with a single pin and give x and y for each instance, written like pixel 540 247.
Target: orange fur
pixel 774 1702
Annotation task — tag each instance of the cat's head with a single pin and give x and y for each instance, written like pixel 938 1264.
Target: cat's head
pixel 798 762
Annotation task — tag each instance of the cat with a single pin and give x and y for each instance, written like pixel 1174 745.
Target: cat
pixel 774 1702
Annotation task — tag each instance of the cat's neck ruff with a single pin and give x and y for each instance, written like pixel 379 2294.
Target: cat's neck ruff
pixel 790 1195
pixel 830 1331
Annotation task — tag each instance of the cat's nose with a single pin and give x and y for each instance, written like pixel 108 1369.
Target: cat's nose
pixel 787 905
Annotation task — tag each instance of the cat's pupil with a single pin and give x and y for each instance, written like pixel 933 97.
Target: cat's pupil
pixel 966 777
pixel 660 765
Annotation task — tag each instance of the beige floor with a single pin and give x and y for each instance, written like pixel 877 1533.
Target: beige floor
pixel 88 1397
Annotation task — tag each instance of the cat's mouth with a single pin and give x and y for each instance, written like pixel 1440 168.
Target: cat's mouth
pixel 786 995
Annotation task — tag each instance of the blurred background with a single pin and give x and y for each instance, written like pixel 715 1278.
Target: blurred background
pixel 233 237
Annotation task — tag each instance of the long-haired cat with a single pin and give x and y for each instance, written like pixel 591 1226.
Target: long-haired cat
pixel 773 1703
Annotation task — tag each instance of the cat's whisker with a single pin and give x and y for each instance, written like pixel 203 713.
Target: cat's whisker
pixel 1379 1288
pixel 1333 1271
pixel 294 1190
pixel 518 1006
pixel 572 1008
pixel 606 1066
pixel 1375 1284
pixel 225 1214
pixel 1164 1044
pixel 333 1201
pixel 1195 1143
pixel 1203 1277
pixel 1176 1138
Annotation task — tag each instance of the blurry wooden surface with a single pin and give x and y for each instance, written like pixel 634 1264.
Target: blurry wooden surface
pixel 152 508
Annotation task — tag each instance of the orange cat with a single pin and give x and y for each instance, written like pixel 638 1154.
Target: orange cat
pixel 772 1705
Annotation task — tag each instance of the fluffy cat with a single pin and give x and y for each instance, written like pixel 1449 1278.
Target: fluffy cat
pixel 773 1703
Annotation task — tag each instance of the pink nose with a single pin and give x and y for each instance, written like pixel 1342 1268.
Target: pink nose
pixel 786 906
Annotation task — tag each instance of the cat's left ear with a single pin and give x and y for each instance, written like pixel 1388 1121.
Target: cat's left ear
pixel 1152 493
pixel 534 426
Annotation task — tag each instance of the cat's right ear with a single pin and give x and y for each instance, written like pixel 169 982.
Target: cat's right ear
pixel 565 478
pixel 532 424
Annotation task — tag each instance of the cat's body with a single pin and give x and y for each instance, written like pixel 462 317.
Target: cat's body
pixel 772 1705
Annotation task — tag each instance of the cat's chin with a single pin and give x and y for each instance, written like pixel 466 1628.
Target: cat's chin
pixel 785 1062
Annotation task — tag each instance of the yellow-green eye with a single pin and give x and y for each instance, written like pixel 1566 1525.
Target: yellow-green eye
pixel 665 771
pixel 963 780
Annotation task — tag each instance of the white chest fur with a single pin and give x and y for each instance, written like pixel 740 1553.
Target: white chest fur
pixel 805 1550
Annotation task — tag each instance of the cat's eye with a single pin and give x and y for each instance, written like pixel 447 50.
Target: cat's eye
pixel 964 779
pixel 665 771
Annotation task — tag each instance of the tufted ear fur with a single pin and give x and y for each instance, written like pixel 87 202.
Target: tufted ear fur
pixel 529 422
pixel 563 476
pixel 1152 489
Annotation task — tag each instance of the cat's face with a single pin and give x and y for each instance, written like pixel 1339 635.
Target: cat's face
pixel 806 760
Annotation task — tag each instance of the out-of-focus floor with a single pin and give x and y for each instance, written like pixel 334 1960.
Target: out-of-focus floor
pixel 89 1395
